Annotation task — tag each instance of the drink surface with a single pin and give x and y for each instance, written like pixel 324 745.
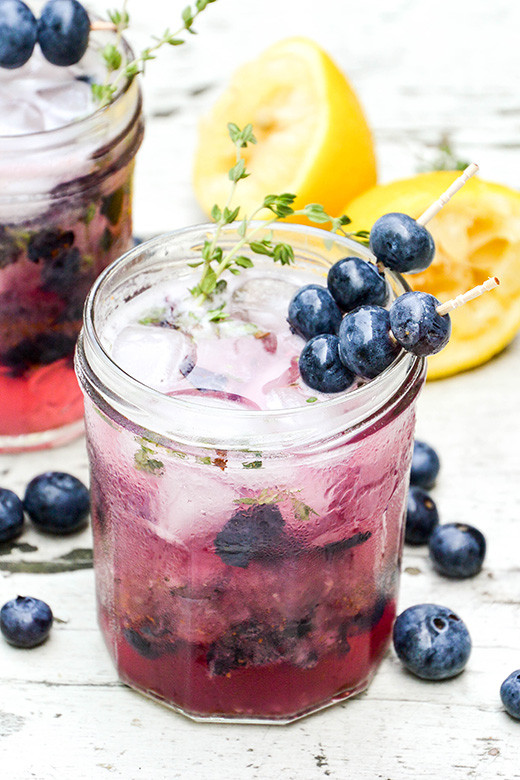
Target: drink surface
pixel 40 96
pixel 248 360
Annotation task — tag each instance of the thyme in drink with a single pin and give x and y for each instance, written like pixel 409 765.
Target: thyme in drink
pixel 215 261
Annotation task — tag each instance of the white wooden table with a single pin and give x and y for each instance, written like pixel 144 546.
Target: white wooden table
pixel 422 71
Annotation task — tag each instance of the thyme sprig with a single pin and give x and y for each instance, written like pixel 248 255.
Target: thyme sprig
pixel 214 261
pixel 103 93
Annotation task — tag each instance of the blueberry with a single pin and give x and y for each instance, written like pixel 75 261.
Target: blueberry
pixel 249 534
pixel 48 245
pixel 11 515
pixel 425 465
pixel 366 345
pixel 43 349
pixel 416 324
pixel 401 244
pixel 18 33
pixel 421 516
pixel 246 644
pixel 313 311
pixel 354 282
pixel 457 550
pixel 510 694
pixel 63 31
pixel 25 622
pixel 321 367
pixel 431 641
pixel 60 274
pixel 57 503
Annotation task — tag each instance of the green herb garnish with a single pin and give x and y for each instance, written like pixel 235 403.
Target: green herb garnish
pixel 215 262
pixel 103 93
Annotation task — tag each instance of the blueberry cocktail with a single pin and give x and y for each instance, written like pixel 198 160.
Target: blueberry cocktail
pixel 66 167
pixel 248 528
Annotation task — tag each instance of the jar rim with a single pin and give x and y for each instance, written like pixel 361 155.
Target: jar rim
pixel 95 365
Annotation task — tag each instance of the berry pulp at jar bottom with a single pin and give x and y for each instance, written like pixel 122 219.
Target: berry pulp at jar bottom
pixel 234 584
pixel 65 214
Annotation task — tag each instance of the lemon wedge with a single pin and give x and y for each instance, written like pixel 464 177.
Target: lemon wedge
pixel 312 137
pixel 477 235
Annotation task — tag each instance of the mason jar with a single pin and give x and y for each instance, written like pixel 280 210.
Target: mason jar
pixel 65 214
pixel 232 630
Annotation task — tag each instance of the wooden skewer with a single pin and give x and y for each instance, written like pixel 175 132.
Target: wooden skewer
pixel 101 25
pixel 434 209
pixel 460 300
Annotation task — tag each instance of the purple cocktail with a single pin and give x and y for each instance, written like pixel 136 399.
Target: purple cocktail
pixel 248 530
pixel 66 170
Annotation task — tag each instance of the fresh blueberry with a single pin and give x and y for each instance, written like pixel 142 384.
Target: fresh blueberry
pixel 425 465
pixel 25 622
pixel 321 367
pixel 313 311
pixel 416 324
pixel 57 503
pixel 63 31
pixel 354 282
pixel 510 694
pixel 249 534
pixel 431 641
pixel 18 33
pixel 366 345
pixel 401 244
pixel 421 516
pixel 457 550
pixel 11 515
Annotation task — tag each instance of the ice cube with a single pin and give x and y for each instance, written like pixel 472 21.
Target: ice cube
pixel 263 300
pixel 18 117
pixel 62 103
pixel 157 357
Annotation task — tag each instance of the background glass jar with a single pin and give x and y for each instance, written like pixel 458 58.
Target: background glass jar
pixel 282 629
pixel 65 214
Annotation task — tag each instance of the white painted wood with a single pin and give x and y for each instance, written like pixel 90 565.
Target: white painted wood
pixel 421 72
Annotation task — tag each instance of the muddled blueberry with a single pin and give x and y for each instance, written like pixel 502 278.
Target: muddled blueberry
pixel 143 645
pixel 57 502
pixel 510 694
pixel 354 282
pixel 313 311
pixel 25 621
pixel 431 641
pixel 43 349
pixel 18 33
pixel 421 516
pixel 401 244
pixel 250 643
pixel 48 245
pixel 457 550
pixel 11 515
pixel 425 465
pixel 321 367
pixel 366 345
pixel 60 274
pixel 249 534
pixel 335 548
pixel 63 31
pixel 416 324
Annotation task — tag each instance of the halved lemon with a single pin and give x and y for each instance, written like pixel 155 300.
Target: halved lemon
pixel 313 139
pixel 477 235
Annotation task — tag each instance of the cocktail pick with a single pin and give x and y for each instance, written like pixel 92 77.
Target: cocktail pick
pixel 460 300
